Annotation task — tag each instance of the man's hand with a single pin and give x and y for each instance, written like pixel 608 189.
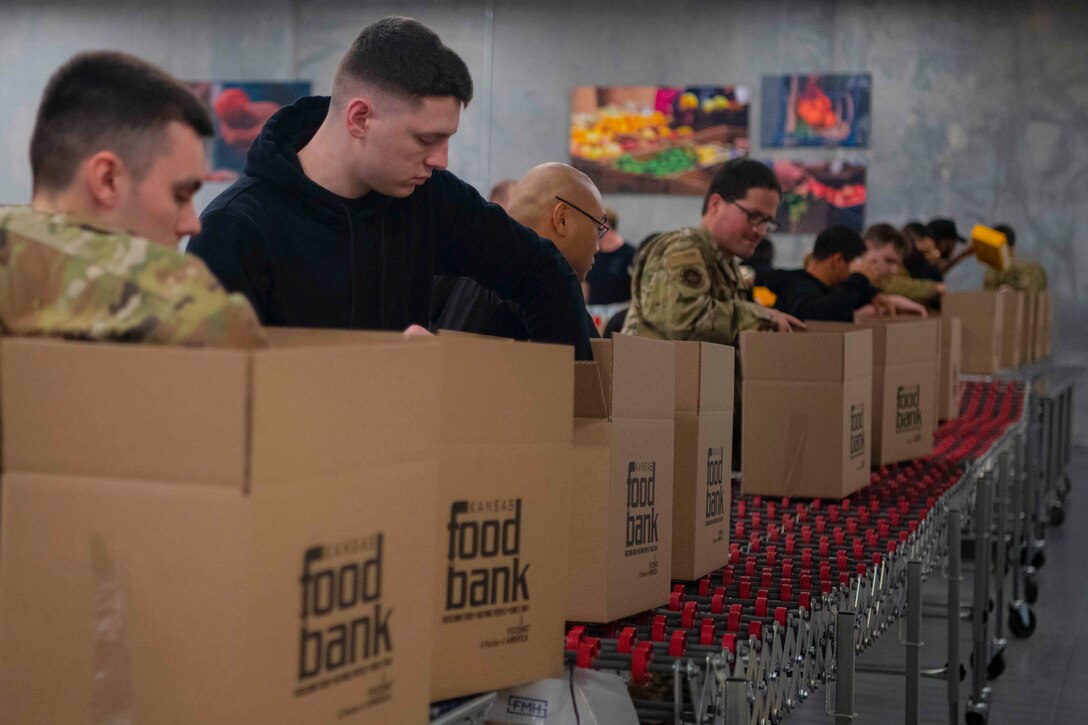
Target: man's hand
pixel 883 305
pixel 784 322
pixel 866 312
pixel 416 331
pixel 940 287
pixel 908 307
pixel 866 267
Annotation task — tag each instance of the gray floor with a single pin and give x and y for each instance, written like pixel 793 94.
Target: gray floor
pixel 1046 677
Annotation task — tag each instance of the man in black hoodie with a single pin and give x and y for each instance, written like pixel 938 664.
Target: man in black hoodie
pixel 836 283
pixel 346 212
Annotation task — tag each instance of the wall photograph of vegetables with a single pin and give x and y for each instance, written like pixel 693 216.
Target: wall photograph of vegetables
pixel 816 110
pixel 819 194
pixel 657 139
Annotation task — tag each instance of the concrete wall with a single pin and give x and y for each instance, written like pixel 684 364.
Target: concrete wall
pixel 980 109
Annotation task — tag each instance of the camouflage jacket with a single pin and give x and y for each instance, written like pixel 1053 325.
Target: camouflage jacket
pixel 63 278
pixel 1023 274
pixel 683 289
pixel 923 291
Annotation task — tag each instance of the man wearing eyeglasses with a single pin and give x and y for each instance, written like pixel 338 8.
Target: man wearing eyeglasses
pixel 346 210
pixel 687 284
pixel 559 203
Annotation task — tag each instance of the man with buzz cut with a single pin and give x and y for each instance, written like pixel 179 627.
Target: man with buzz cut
pixel 346 212
pixel 116 155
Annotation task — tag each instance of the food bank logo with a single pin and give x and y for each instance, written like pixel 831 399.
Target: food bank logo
pixel 908 409
pixel 484 555
pixel 857 431
pixel 715 485
pixel 344 627
pixel 641 510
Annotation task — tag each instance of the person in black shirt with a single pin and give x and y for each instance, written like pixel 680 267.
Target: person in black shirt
pixel 762 261
pixel 346 212
pixel 556 201
pixel 836 282
pixel 610 278
pixel 920 262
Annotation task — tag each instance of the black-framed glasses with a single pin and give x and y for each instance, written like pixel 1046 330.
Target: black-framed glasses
pixel 756 219
pixel 602 227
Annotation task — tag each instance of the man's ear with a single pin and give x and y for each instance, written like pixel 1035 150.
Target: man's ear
pixel 561 220
pixel 105 178
pixel 714 202
pixel 357 117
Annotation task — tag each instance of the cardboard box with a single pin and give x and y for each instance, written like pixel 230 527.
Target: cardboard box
pixel 982 315
pixel 1012 329
pixel 906 361
pixel 1027 332
pixel 217 536
pixel 621 506
pixel 949 390
pixel 1043 325
pixel 703 458
pixel 807 414
pixel 503 511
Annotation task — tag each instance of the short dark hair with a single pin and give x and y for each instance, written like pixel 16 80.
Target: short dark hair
pixel 881 235
pixel 838 240
pixel 1010 235
pixel 737 176
pixel 915 231
pixel 106 100
pixel 405 58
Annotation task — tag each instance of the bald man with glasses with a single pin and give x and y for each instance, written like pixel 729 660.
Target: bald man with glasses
pixel 560 204
pixel 687 284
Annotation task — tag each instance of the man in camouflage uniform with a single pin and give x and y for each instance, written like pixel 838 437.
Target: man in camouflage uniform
pixel 117 155
pixel 687 284
pixel 1023 274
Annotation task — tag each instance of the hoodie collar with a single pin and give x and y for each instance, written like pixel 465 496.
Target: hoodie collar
pixel 273 157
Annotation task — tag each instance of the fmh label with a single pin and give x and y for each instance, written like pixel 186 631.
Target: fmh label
pixel 484 561
pixel 344 627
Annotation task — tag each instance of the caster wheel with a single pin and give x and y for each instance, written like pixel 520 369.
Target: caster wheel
pixel 996 666
pixel 1057 515
pixel 1021 621
pixel 974 718
pixel 1031 589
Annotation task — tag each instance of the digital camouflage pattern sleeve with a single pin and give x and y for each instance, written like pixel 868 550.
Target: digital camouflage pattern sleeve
pixel 919 290
pixel 1023 274
pixel 63 278
pixel 682 289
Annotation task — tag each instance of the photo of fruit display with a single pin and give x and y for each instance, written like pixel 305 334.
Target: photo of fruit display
pixel 657 139
pixel 816 110
pixel 817 195
pixel 239 112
